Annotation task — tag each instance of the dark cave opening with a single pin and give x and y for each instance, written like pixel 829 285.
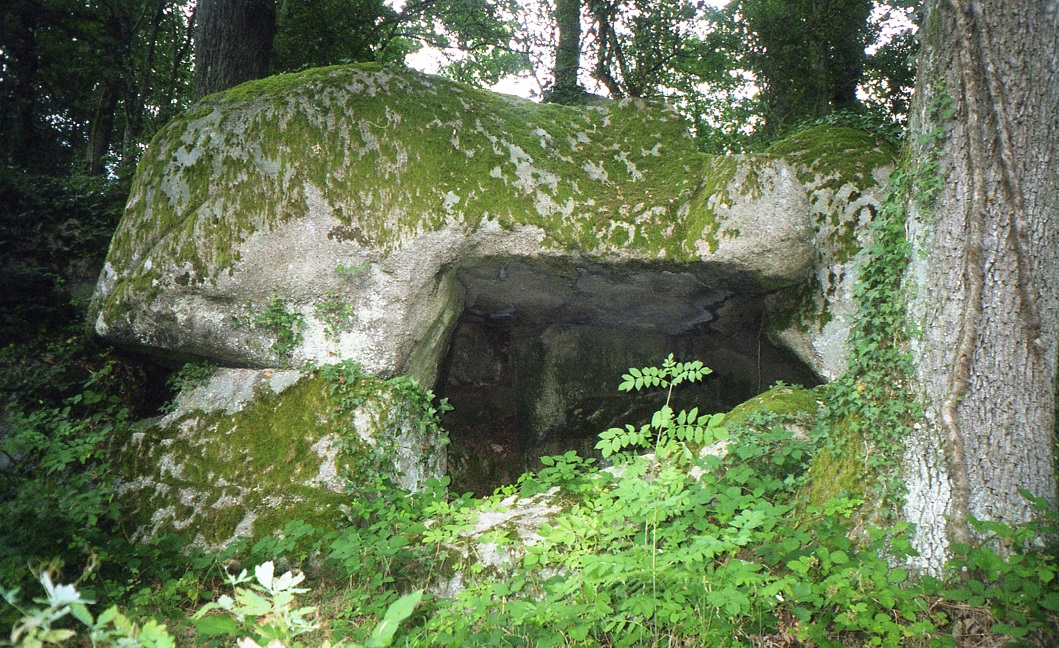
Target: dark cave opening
pixel 526 387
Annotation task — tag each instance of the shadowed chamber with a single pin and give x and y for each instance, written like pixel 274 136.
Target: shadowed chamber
pixel 535 360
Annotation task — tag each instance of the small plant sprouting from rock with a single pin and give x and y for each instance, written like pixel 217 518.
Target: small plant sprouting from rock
pixel 348 387
pixel 336 315
pixel 190 376
pixel 351 270
pixel 286 324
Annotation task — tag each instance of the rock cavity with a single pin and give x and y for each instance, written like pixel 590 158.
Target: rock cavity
pixel 539 350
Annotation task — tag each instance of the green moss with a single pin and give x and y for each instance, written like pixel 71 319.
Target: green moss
pixel 405 153
pixel 839 471
pixel 394 153
pixel 829 159
pixel 834 471
pixel 835 155
pixel 785 400
pixel 217 470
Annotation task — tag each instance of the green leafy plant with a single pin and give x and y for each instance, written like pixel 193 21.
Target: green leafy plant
pixel 37 626
pixel 666 429
pixel 190 376
pixel 336 314
pixel 57 491
pixel 287 325
pixel 719 551
pixel 347 385
pixel 351 270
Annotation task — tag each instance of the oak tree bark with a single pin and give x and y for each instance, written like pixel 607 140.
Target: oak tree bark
pixel 233 40
pixel 984 274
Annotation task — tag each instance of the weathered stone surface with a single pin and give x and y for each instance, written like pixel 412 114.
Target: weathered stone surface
pixel 365 208
pixel 844 172
pixel 249 451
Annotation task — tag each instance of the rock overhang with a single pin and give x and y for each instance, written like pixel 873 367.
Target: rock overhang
pixel 408 198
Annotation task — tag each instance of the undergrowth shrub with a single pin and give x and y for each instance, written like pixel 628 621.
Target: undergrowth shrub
pixel 695 532
pixel 265 611
pixel 56 490
pixel 673 546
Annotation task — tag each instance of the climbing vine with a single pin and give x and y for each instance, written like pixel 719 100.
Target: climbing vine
pixel 873 400
pixel 413 411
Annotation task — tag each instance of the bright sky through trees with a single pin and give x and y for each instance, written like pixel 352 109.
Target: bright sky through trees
pixel 431 60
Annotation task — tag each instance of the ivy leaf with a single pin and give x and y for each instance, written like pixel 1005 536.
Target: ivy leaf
pixel 400 610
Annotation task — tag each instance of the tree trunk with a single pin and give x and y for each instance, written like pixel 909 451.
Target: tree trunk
pixel 232 43
pixel 567 53
pixel 22 140
pixel 102 126
pixel 984 274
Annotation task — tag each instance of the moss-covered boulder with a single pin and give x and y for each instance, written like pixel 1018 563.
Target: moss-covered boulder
pixel 248 451
pixel 354 212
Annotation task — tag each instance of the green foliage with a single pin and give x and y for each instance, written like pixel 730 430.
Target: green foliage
pixel 351 270
pixel 890 75
pixel 717 551
pixel 420 405
pixel 56 489
pixel 332 32
pixel 1012 575
pixel 779 66
pixel 661 549
pixel 318 34
pixel 667 429
pixel 263 613
pixel 644 47
pixel 89 81
pixel 55 232
pixel 926 177
pixel 808 56
pixel 191 376
pixel 336 314
pixel 411 416
pixel 286 325
pixel 36 628
pixel 882 125
pixel 872 400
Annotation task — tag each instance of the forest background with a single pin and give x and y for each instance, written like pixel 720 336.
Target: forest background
pixel 85 85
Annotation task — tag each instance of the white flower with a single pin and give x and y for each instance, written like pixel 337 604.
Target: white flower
pixel 264 573
pixel 60 595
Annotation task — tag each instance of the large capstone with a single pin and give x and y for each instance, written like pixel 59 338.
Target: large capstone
pixel 331 214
